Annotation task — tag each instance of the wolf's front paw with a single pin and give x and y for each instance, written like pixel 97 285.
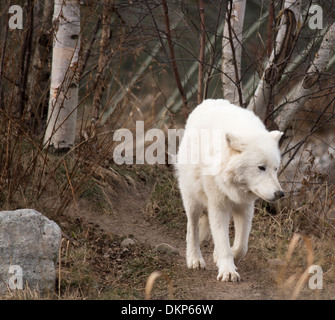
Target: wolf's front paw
pixel 228 274
pixel 196 263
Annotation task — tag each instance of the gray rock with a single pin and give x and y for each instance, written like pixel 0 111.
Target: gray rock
pixel 166 249
pixel 127 242
pixel 276 262
pixel 29 247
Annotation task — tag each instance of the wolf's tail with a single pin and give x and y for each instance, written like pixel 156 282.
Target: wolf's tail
pixel 204 229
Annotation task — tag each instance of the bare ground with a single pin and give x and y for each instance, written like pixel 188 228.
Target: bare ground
pixel 195 284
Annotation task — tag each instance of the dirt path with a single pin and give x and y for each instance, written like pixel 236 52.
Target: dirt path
pixel 129 220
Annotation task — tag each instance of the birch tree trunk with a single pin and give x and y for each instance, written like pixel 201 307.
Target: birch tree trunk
pixel 62 111
pixel 309 84
pixel 285 41
pixel 232 52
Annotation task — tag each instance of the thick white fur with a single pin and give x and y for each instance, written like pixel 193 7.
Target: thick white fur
pixel 225 180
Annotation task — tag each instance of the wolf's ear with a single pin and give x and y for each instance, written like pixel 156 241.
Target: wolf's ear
pixel 235 143
pixel 276 135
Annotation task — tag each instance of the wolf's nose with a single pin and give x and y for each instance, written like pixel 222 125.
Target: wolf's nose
pixel 279 194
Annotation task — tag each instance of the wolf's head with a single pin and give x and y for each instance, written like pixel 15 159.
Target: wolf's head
pixel 253 165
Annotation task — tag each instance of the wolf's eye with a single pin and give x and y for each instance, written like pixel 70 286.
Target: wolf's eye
pixel 262 168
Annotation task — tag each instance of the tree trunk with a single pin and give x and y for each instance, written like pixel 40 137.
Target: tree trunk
pixel 308 85
pixel 280 56
pixel 38 78
pixel 105 42
pixel 25 58
pixel 62 113
pixel 232 52
pixel 3 34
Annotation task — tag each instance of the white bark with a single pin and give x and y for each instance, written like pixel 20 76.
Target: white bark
pixel 285 40
pixel 308 85
pixel 231 57
pixel 62 113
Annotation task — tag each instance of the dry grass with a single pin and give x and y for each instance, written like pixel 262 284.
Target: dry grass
pixel 299 233
pixel 152 279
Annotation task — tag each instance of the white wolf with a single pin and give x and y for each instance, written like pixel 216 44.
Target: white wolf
pixel 226 160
